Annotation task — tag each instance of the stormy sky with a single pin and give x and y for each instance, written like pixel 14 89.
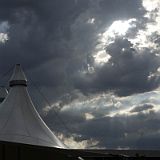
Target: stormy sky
pixel 96 61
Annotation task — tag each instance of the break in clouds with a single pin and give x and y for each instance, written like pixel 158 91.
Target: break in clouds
pixel 96 61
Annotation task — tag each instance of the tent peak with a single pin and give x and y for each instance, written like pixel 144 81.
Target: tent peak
pixel 19 120
pixel 18 77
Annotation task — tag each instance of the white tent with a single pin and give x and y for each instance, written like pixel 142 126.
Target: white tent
pixel 19 120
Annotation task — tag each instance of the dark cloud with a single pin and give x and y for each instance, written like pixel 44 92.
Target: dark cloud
pixel 122 9
pixel 142 108
pixel 38 35
pixel 127 71
pixel 37 29
pixel 132 131
pixel 54 38
pixel 55 43
pixel 112 125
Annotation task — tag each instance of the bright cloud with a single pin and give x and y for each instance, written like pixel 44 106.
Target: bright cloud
pixel 91 20
pixel 101 57
pixel 74 144
pixel 89 116
pixel 3 37
pixel 144 38
pixel 117 28
pixel 151 5
pixel 111 105
pixel 4 26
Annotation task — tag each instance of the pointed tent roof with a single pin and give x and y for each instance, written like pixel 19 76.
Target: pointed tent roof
pixel 19 120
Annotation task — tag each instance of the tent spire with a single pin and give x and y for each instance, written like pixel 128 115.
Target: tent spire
pixel 18 77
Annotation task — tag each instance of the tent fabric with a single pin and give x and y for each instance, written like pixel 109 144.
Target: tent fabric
pixel 19 120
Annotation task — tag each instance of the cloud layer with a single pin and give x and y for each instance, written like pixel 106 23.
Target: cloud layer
pixel 96 61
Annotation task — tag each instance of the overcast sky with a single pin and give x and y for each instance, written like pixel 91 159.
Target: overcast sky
pixel 96 61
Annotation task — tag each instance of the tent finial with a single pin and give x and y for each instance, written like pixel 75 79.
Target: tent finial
pixel 18 77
